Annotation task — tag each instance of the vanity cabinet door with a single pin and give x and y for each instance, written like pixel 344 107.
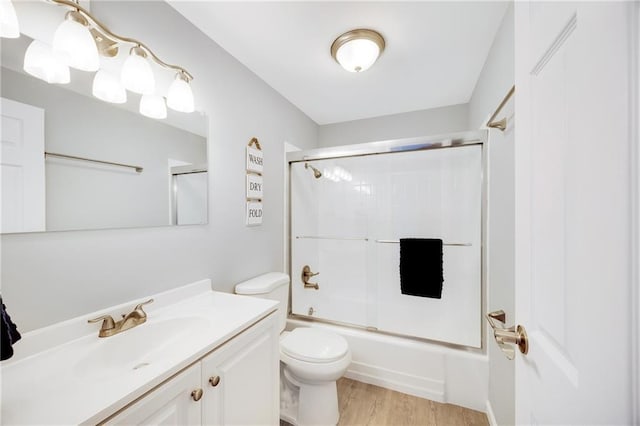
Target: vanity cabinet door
pixel 241 378
pixel 171 403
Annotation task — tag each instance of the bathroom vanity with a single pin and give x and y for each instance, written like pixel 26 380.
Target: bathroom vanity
pixel 202 357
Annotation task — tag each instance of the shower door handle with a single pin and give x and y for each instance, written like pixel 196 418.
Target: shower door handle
pixel 305 275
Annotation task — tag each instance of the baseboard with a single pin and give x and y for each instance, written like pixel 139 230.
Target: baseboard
pixel 394 380
pixel 490 415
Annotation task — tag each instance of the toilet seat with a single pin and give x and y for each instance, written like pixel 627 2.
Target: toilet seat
pixel 314 345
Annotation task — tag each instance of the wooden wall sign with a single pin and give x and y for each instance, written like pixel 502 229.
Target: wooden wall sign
pixel 254 183
pixel 254 157
pixel 254 187
pixel 254 213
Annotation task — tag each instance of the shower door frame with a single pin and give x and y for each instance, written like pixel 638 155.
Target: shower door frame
pixel 444 141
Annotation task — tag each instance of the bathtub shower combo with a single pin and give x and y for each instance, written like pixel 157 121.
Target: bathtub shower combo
pixel 353 210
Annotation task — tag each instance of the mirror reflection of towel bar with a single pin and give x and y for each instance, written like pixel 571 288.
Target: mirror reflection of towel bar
pixel 444 244
pixel 110 163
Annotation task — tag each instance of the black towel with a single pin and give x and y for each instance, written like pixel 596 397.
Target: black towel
pixel 8 333
pixel 421 267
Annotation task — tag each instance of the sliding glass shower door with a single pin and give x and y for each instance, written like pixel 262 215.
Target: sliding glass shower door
pixel 347 223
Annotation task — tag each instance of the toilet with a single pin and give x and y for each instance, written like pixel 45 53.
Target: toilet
pixel 311 359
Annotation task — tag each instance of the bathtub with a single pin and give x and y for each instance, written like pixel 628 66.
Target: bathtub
pixel 437 372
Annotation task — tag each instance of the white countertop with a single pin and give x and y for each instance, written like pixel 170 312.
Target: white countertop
pixel 64 374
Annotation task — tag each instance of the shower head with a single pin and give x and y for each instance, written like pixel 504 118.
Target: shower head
pixel 316 173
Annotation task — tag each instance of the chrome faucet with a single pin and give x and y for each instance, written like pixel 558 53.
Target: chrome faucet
pixel 110 326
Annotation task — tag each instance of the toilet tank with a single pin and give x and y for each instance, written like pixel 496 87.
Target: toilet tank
pixel 274 286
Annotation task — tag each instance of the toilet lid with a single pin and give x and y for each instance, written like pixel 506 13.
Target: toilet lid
pixel 314 345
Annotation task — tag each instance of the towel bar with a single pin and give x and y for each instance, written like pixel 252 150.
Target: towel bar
pixel 444 244
pixel 110 163
pixel 312 237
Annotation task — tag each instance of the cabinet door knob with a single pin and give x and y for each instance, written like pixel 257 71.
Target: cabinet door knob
pixel 214 380
pixel 196 394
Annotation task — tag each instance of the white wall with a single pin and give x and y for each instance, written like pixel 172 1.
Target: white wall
pixel 428 122
pixel 81 195
pixel 49 277
pixel 496 79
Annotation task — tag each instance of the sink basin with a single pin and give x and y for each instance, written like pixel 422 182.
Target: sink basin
pixel 138 347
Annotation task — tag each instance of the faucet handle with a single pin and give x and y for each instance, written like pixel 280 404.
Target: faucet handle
pixel 140 305
pixel 107 322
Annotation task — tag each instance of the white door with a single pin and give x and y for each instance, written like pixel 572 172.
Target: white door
pixel 22 168
pixel 573 185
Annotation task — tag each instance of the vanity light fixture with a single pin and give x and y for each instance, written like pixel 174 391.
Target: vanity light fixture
pixel 80 42
pixel 153 106
pixel 75 43
pixel 9 27
pixel 137 75
pixel 357 50
pixel 107 87
pixel 42 62
pixel 180 96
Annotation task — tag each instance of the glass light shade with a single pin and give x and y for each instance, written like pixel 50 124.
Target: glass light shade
pixel 137 75
pixel 153 106
pixel 180 96
pixel 41 62
pixel 107 87
pixel 357 55
pixel 74 41
pixel 9 27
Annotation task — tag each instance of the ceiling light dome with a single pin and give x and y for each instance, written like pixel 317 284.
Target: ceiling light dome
pixel 357 50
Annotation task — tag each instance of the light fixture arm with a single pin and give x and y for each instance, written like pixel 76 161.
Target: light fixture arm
pixel 103 28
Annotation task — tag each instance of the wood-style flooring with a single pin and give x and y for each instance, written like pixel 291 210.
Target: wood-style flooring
pixel 364 404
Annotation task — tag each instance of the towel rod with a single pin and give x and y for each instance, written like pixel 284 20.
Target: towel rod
pixel 501 124
pixel 309 237
pixel 444 244
pixel 72 157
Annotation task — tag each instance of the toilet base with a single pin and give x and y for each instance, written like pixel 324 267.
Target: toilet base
pixel 306 404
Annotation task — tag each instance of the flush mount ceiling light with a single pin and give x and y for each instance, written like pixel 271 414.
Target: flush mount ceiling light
pixel 357 50
pixel 81 40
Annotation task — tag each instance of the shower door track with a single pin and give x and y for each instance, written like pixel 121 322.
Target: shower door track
pixel 452 140
pixel 376 330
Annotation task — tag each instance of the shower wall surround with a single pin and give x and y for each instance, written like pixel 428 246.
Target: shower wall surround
pixel 346 226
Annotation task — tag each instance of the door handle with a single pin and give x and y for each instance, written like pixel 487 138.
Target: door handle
pixel 507 336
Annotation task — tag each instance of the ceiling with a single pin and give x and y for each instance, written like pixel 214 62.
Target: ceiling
pixel 433 57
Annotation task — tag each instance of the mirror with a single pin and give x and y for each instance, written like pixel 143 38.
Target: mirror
pixel 73 162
